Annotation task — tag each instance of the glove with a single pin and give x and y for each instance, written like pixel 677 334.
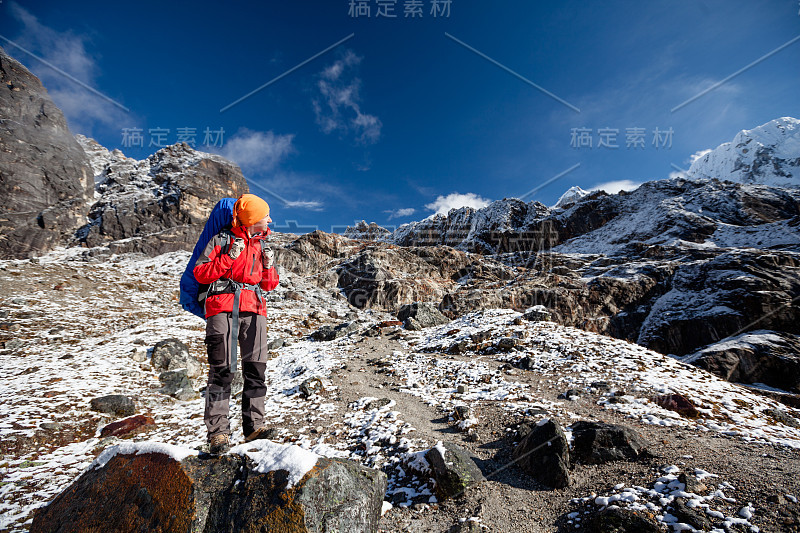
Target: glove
pixel 237 246
pixel 267 258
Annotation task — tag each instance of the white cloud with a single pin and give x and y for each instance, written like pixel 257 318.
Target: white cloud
pixel 613 187
pixel 83 109
pixel 443 204
pixel 257 151
pixel 338 105
pixel 698 154
pixel 402 212
pixel 691 159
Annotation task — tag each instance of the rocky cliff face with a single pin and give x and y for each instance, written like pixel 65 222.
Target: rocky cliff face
pixel 45 177
pixel 158 204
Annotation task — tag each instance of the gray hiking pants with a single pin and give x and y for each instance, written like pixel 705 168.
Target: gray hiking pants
pixel 254 355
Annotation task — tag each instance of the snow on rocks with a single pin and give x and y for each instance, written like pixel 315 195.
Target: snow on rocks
pixel 673 505
pixel 269 456
pixel 578 359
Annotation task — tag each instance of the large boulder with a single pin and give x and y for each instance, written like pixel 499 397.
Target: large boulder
pixel 544 454
pixel 453 470
pixel 597 442
pixel 45 178
pixel 260 486
pixel 421 315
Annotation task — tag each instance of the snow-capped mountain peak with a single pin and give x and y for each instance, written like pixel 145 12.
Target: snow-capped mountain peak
pixel 765 155
pixel 572 195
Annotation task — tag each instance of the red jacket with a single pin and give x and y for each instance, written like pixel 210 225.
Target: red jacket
pixel 214 263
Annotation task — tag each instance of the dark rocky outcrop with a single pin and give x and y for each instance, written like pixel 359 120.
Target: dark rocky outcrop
pixel 761 356
pixel 597 442
pixel 156 492
pixel 158 204
pixel 45 177
pixel 544 454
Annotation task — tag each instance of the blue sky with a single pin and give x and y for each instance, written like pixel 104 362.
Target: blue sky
pixel 413 114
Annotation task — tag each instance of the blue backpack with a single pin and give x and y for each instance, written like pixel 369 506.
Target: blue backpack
pixel 192 292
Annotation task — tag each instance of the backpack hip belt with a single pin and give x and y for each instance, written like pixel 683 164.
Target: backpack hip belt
pixel 227 286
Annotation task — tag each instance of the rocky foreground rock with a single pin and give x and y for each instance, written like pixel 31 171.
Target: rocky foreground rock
pixel 156 487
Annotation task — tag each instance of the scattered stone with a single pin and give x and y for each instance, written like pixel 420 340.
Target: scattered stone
pixel 687 515
pixel 461 389
pixel 600 385
pixel 310 387
pixel 461 412
pixel 620 520
pixel 115 404
pixel 459 347
pixel 390 323
pixel 453 470
pixel 571 394
pixel 678 403
pixel 537 313
pixel 51 426
pixel 779 499
pixel 4 313
pixel 506 344
pixel 544 454
pixel 597 442
pixel 13 345
pixel 172 354
pixel 467 526
pixel 139 354
pixel 128 426
pixel 293 295
pixel 156 492
pixel 329 333
pixel 424 315
pixel 692 484
pixel 176 384
pixel 9 326
pixel 377 404
pixel 783 417
pixel 526 363
pixel 274 344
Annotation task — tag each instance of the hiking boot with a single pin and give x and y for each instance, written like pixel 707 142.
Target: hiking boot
pixel 260 433
pixel 219 444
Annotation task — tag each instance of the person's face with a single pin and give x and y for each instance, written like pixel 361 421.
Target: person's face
pixel 260 226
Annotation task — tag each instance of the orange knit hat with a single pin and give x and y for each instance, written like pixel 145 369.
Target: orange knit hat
pixel 248 210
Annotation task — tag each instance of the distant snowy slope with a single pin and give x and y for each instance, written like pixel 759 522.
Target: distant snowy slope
pixel 768 154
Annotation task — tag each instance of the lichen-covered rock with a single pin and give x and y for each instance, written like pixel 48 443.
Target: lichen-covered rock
pixel 161 492
pixel 176 384
pixel 453 470
pixel 172 354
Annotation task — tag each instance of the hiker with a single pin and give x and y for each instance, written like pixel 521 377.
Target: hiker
pixel 239 268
